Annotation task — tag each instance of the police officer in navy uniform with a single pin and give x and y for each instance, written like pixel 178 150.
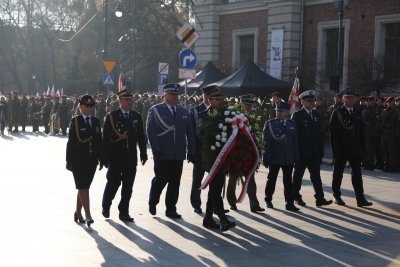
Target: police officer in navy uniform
pixel 311 148
pixel 281 151
pixel 198 170
pixel 348 144
pixel 84 154
pixel 123 132
pixel 170 134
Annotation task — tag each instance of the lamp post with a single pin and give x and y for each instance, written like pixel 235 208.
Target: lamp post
pixel 340 5
pixel 133 31
pixel 105 46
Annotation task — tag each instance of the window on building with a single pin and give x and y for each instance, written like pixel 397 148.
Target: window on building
pixel 246 49
pixel 392 52
pixel 331 50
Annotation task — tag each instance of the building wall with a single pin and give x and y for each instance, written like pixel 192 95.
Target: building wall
pixel 361 15
pixel 229 23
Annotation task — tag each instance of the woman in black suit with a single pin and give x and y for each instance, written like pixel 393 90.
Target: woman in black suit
pixel 83 154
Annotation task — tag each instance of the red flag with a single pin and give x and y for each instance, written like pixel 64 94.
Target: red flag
pixel 48 90
pixel 294 96
pixel 121 82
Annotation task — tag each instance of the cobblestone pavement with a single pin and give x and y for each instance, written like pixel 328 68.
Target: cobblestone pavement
pixel 37 196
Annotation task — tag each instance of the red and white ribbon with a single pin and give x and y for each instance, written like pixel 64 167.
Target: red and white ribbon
pixel 239 123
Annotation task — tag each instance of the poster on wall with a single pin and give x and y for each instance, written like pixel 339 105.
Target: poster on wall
pixel 276 53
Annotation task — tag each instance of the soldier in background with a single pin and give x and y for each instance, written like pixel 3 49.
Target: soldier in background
pixel 371 121
pixel 34 114
pixel 337 103
pixel 388 137
pixel 14 107
pixel 63 115
pixel 3 114
pixel 45 114
pixel 275 100
pixel 378 149
pixel 23 113
pixel 101 109
pixel 323 112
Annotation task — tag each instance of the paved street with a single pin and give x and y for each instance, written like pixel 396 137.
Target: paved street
pixel 37 196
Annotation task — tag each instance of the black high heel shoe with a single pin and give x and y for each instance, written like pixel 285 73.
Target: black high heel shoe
pixel 89 222
pixel 78 219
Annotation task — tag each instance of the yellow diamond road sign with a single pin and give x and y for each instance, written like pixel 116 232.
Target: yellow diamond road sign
pixel 109 65
pixel 188 35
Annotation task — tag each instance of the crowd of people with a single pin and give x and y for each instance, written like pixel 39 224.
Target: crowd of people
pixel 362 132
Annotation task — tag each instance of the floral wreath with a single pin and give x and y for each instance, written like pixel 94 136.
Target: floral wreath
pixel 229 147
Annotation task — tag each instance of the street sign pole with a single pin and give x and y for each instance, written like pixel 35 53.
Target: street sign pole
pixel 185 93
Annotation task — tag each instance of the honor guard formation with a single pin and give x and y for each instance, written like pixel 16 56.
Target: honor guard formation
pixel 115 132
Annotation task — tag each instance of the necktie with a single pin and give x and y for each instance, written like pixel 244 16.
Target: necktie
pixel 88 122
pixel 126 115
pixel 311 116
pixel 173 111
pixel 351 112
pixel 283 123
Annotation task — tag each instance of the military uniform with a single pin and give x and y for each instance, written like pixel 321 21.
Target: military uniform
pixel 84 149
pixel 281 151
pixel 348 144
pixel 45 115
pixel 311 150
pixel 247 100
pixel 371 121
pixel 101 111
pixel 23 114
pixel 34 112
pixel 123 131
pixel 14 107
pixel 3 115
pixel 215 203
pixel 170 134
pixel 198 170
pixel 63 115
pixel 388 136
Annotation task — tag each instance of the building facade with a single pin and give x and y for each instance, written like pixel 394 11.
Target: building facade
pixel 280 35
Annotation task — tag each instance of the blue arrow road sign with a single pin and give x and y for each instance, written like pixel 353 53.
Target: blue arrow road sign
pixel 187 58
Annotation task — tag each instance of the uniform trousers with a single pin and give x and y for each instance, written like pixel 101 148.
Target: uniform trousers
pixel 214 201
pixel 287 182
pixel 339 164
pixel 251 192
pixel 166 172
pixel 116 174
pixel 313 167
pixel 197 177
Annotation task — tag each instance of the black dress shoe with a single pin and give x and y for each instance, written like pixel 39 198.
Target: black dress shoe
pixel 198 210
pixel 339 201
pixel 226 225
pixel 173 215
pixel 323 202
pixel 234 207
pixel 257 209
pixel 363 203
pixel 300 202
pixel 292 207
pixel 89 222
pixel 106 213
pixel 126 218
pixel 152 210
pixel 210 224
pixel 78 219
pixel 269 204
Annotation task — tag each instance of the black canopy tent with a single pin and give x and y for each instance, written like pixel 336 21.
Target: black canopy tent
pixel 250 79
pixel 209 74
